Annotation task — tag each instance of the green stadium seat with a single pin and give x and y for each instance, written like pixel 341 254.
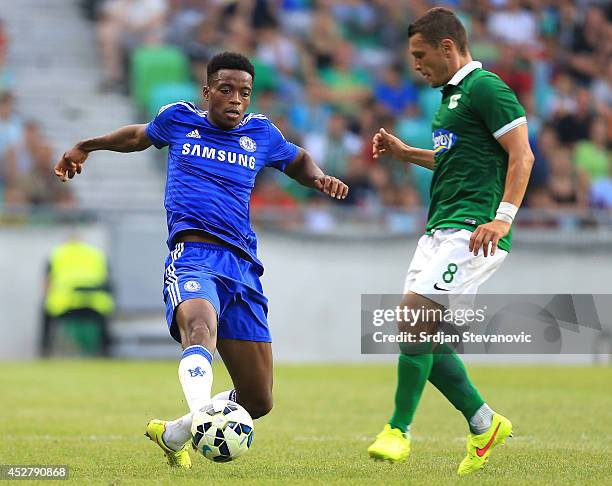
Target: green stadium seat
pixel 266 77
pixel 154 65
pixel 166 93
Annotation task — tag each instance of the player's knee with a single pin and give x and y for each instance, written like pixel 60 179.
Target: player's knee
pixel 196 330
pixel 258 407
pixel 197 322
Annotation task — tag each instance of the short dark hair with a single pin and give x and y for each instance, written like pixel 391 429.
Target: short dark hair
pixel 440 23
pixel 229 60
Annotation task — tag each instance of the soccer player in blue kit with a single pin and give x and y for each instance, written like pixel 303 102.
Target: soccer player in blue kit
pixel 213 294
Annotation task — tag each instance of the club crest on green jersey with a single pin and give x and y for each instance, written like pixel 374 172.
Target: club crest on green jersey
pixel 454 101
pixel 443 140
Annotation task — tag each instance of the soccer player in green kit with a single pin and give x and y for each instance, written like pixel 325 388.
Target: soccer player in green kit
pixel 481 164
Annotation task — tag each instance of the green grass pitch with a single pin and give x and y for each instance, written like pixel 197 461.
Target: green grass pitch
pixel 91 416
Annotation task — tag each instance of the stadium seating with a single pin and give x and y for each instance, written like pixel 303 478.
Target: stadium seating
pixel 155 65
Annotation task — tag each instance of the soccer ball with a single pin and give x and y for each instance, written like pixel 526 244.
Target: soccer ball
pixel 221 431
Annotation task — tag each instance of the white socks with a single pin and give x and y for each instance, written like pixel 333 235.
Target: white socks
pixel 482 420
pixel 195 374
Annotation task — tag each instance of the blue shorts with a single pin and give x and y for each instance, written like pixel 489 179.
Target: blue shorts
pixel 228 281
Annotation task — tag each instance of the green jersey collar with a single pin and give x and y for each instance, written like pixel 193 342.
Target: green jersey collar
pixel 463 72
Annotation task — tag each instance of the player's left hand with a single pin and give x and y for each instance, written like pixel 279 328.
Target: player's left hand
pixel 488 234
pixel 332 186
pixel 70 164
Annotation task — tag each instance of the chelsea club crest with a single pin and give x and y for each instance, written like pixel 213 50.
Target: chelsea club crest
pixel 248 144
pixel 192 286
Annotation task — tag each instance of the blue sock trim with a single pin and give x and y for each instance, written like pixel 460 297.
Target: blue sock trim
pixel 197 349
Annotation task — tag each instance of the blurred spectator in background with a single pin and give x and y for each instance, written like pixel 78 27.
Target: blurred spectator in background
pixel 514 68
pixel 573 125
pixel 280 54
pixel 590 45
pixel 78 297
pixel 38 188
pixel 563 102
pixel 185 17
pixel 513 23
pixel 11 134
pixel 361 179
pixel 602 89
pixel 568 185
pixel 592 155
pixel 323 39
pixel 239 37
pixel 396 93
pixel 295 17
pixel 544 149
pixel 29 180
pixel 348 85
pixel 256 13
pixel 11 126
pixel 481 46
pixel 124 25
pixel 19 161
pixel 310 113
pixel 6 80
pixel 204 42
pixel 333 148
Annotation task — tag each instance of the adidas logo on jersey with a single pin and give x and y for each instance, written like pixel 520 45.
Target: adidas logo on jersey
pixel 194 134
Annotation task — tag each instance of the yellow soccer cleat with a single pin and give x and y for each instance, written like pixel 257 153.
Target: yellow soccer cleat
pixel 390 445
pixel 479 446
pixel 155 431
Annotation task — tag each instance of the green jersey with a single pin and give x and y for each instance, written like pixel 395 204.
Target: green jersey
pixel 470 165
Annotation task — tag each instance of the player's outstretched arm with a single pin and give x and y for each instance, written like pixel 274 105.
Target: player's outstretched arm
pixel 383 143
pixel 131 138
pixel 520 162
pixel 306 172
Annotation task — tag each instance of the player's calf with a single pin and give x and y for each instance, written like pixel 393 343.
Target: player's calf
pixel 257 406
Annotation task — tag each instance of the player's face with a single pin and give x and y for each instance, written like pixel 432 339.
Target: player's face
pixel 228 95
pixel 429 60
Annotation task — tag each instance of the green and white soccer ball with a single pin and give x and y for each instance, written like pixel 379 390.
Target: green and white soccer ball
pixel 222 431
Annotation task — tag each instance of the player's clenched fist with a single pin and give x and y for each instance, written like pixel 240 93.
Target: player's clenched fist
pixel 70 164
pixel 331 186
pixel 385 143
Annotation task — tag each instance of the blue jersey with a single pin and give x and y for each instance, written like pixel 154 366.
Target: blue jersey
pixel 211 172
